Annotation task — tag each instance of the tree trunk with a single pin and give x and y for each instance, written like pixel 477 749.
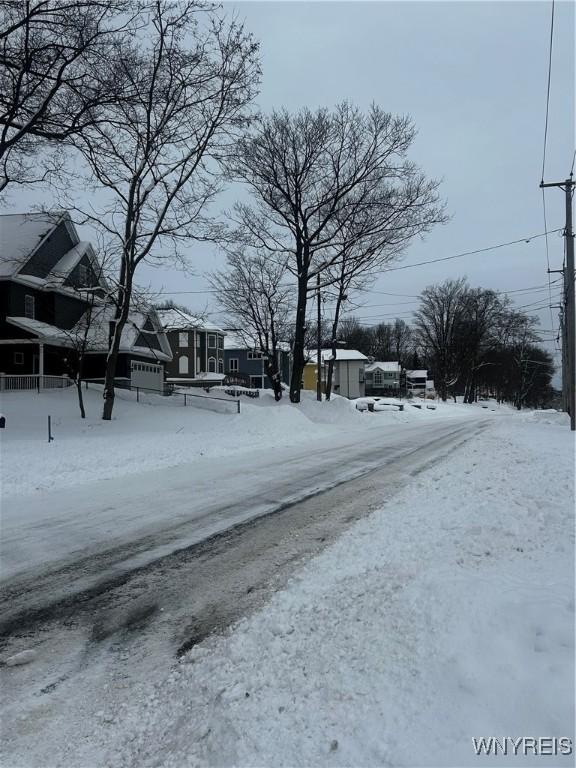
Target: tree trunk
pixel 111 364
pixel 298 351
pixel 330 371
pixel 329 374
pixel 274 377
pixel 80 397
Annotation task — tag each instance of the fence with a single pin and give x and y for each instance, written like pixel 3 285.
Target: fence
pixel 33 382
pixel 170 396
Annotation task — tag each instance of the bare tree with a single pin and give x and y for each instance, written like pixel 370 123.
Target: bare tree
pixel 312 174
pixel 438 326
pixel 56 74
pixel 155 156
pixel 257 301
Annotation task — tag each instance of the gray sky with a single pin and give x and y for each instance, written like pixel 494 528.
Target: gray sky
pixel 473 77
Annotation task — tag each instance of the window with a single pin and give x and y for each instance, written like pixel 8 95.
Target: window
pixel 29 307
pixel 18 358
pixel 211 365
pixel 82 274
pixel 254 355
pixel 183 364
pixel 233 365
pixel 256 381
pixel 183 339
pixel 378 378
pixel 198 366
pixel 220 342
pixel 220 366
pixel 212 341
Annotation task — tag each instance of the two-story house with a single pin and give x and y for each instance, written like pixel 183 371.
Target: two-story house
pixel 49 279
pixel 348 377
pixel 383 378
pixel 197 349
pixel 245 363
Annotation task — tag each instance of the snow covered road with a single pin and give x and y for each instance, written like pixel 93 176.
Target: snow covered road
pixel 70 540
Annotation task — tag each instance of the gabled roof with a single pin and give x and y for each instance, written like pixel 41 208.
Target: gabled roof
pixel 21 234
pixel 388 367
pixel 178 320
pixel 133 334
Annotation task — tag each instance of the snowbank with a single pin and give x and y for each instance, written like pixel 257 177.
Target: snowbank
pixel 160 432
pixel 447 615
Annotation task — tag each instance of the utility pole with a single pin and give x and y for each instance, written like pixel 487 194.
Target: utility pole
pixel 319 343
pixel 569 326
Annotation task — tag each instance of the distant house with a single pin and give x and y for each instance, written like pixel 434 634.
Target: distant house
pixel 245 363
pixel 349 372
pixel 48 280
pixel 383 378
pixel 417 382
pixel 197 349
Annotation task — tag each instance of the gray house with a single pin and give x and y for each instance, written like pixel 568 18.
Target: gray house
pixel 197 349
pixel 246 364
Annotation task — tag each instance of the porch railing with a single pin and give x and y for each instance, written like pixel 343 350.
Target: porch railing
pixel 9 383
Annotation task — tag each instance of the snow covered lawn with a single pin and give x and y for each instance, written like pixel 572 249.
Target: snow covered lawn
pixel 446 615
pixel 159 432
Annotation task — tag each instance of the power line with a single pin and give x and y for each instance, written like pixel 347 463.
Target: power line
pixel 551 45
pixel 526 239
pixel 471 253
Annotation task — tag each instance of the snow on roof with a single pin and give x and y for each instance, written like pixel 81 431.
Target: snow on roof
pixel 20 235
pixel 62 269
pixel 386 366
pixel 341 354
pixel 178 320
pixel 39 329
pixel 417 374
pixel 97 336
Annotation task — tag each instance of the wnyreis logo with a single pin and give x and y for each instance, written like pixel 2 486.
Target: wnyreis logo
pixel 523 745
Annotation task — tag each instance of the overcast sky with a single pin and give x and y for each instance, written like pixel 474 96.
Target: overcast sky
pixel 473 77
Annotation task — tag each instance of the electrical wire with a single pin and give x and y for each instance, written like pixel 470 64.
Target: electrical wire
pixel 550 49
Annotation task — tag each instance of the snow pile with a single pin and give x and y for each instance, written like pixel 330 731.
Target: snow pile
pixel 160 432
pixel 446 615
pixel 153 433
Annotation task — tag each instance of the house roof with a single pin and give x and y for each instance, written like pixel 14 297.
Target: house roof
pixel 341 354
pixel 178 320
pixel 385 366
pixel 97 334
pixel 45 331
pixel 20 235
pixel 97 337
pixel 417 374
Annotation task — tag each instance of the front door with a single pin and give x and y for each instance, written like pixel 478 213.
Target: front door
pixel 35 365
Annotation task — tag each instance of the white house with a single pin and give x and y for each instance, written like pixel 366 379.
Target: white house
pixel 348 378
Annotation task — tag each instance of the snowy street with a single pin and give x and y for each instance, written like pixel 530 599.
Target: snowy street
pixel 75 538
pixel 409 590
